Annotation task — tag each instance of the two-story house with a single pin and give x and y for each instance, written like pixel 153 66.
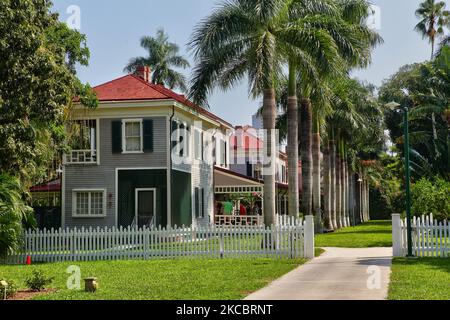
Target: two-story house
pixel 141 158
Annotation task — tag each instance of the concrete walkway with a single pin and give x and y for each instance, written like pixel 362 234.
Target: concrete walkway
pixel 339 274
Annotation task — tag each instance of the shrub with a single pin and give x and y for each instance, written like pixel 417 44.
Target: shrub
pixel 37 281
pixel 13 213
pixel 431 197
pixel 11 289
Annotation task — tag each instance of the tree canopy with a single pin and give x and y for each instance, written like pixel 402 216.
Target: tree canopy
pixel 38 55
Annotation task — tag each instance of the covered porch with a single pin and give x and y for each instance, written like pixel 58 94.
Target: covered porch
pixel 239 200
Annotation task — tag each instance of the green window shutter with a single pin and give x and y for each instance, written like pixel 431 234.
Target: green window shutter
pixel 174 127
pixel 197 202
pixel 202 213
pixel 116 136
pixel 148 135
pixel 188 139
pixel 202 142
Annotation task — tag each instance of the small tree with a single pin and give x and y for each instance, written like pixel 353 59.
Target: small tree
pixel 13 213
pixel 431 197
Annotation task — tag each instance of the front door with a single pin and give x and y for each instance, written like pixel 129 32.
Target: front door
pixel 145 207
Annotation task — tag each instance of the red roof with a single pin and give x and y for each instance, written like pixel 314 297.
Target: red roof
pixel 132 87
pixel 52 186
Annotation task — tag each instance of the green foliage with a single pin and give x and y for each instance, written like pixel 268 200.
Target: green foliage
pixel 37 84
pixel 13 213
pixel 162 57
pixel 429 103
pixel 431 197
pixel 387 190
pixel 11 289
pixel 38 281
pixel 433 19
pixel 254 39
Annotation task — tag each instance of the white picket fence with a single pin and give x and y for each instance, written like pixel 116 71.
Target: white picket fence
pixel 430 238
pixel 281 241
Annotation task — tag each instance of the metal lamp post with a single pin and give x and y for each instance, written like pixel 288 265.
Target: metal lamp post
pixel 394 106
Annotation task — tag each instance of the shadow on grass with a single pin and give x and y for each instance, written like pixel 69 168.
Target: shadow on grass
pixel 442 264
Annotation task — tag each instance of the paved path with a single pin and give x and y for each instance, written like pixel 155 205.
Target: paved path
pixel 338 274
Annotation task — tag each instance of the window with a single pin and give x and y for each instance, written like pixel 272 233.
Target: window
pixel 183 139
pixel 89 203
pixel 132 136
pixel 82 139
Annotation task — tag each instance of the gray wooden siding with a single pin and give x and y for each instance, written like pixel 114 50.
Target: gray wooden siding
pixel 103 176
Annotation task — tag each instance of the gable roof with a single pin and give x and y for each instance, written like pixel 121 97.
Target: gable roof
pixel 134 88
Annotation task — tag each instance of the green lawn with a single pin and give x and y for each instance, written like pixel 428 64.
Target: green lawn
pixel 420 279
pixel 370 234
pixel 161 280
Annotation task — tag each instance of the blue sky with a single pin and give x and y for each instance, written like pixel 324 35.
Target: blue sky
pixel 114 28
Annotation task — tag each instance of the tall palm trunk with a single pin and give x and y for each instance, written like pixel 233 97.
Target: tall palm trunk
pixel 306 123
pixel 368 200
pixel 360 209
pixel 363 199
pixel 347 190
pixel 269 115
pixel 292 147
pixel 344 186
pixel 338 190
pixel 328 224
pixel 351 197
pixel 433 41
pixel 333 190
pixel 317 208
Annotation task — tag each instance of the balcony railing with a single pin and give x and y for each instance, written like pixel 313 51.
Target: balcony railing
pixel 81 157
pixel 224 220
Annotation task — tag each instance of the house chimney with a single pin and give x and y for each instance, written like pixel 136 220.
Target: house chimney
pixel 144 73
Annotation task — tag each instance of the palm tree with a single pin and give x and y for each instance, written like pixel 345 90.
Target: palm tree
pixel 162 57
pixel 355 51
pixel 254 38
pixel 327 203
pixel 433 17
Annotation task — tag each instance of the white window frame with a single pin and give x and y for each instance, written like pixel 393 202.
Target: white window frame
pixel 90 216
pixel 124 138
pixel 136 199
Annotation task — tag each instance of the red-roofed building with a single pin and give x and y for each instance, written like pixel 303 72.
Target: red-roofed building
pixel 144 157
pixel 147 156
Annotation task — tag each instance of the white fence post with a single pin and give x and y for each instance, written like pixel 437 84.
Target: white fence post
pixel 309 237
pixel 397 239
